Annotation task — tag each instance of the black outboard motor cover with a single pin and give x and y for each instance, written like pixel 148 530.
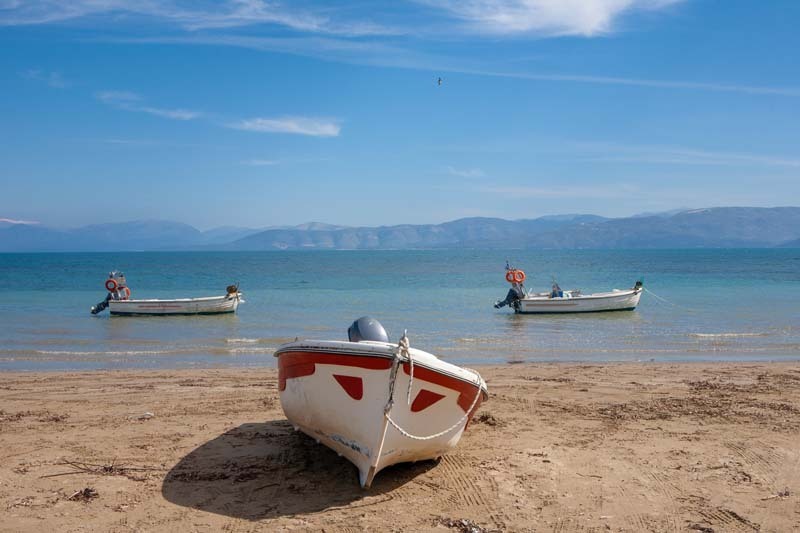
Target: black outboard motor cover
pixel 367 329
pixel 513 296
pixel 100 306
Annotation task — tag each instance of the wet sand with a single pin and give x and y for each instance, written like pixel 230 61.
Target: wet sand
pixel 558 447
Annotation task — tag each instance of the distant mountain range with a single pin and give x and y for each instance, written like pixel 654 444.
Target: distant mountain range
pixel 717 227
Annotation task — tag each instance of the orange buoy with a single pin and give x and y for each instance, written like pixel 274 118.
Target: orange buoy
pixel 519 276
pixel 510 276
pixel 126 293
pixel 111 285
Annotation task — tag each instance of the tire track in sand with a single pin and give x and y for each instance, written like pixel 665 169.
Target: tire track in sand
pixel 765 463
pixel 471 488
pixel 728 520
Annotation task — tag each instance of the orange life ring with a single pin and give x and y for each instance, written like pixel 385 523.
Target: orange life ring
pixel 510 276
pixel 126 293
pixel 111 285
pixel 519 276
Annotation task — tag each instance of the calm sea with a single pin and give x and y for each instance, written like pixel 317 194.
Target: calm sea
pixel 715 305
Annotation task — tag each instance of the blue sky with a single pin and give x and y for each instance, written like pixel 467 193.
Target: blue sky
pixel 254 113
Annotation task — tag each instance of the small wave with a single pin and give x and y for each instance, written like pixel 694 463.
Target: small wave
pixel 106 353
pixel 726 335
pixel 242 340
pixel 266 351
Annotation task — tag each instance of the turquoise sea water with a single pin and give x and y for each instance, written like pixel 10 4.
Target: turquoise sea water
pixel 723 305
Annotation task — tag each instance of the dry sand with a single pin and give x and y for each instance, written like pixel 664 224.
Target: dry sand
pixel 612 447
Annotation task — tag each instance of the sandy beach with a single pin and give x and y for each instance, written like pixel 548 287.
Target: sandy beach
pixel 559 447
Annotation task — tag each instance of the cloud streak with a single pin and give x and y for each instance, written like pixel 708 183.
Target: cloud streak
pixel 130 101
pixel 260 162
pixel 585 18
pixel 611 152
pixel 352 19
pixel 190 16
pixel 51 78
pixel 14 221
pixel 297 125
pixel 640 82
pixel 466 173
pixel 623 190
pixel 315 127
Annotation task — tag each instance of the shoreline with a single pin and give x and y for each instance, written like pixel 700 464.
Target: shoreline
pixel 681 359
pixel 645 446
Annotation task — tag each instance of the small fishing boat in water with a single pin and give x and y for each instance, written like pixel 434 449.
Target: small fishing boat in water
pixel 119 302
pixel 561 301
pixel 374 402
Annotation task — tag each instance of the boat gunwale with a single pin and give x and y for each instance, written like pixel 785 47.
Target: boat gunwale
pixel 480 383
pixel 222 298
pixel 593 296
pixel 615 310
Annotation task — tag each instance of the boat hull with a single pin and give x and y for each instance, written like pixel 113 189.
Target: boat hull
pixel 336 392
pixel 212 305
pixel 611 301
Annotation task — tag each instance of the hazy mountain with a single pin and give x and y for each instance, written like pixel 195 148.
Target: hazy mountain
pixel 226 234
pixel 32 238
pixel 121 236
pixel 713 227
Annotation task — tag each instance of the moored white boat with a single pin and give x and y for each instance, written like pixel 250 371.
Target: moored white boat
pixel 561 301
pixel 374 402
pixel 210 305
pixel 120 303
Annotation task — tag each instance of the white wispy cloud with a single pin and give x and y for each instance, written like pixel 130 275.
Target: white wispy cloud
pixel 444 17
pixel 641 82
pixel 316 127
pixel 543 17
pixel 117 96
pixel 188 15
pixel 51 78
pixel 131 101
pixel 15 221
pixel 676 155
pixel 260 162
pixel 619 190
pixel 466 173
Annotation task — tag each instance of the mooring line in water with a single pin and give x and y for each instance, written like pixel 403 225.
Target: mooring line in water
pixel 657 297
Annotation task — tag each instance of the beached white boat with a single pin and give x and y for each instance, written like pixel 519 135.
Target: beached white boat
pixel 560 301
pixel 374 402
pixel 119 302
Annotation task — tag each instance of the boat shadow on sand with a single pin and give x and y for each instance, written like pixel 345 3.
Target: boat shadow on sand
pixel 267 470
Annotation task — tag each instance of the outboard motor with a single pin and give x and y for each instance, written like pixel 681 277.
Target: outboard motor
pixel 117 289
pixel 514 295
pixel 102 305
pixel 367 329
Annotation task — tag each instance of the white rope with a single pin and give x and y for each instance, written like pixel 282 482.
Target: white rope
pixel 403 349
pixel 657 297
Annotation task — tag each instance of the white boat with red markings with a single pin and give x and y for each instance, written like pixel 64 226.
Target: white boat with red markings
pixel 559 301
pixel 374 402
pixel 119 302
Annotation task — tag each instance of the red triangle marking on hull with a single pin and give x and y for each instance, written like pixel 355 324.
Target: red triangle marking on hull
pixel 353 386
pixel 425 399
